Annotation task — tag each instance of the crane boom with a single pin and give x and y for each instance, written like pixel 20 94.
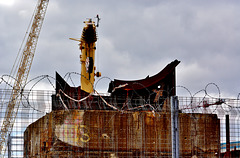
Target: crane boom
pixel 22 74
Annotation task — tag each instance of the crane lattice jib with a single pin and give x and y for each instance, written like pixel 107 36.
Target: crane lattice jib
pixel 22 74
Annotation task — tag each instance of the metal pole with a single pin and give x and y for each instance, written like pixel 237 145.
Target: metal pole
pixel 174 127
pixel 9 146
pixel 227 137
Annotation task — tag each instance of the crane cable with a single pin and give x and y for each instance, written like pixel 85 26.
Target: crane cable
pixel 18 57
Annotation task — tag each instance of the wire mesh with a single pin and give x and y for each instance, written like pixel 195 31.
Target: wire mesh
pixel 111 133
pixel 221 107
pixel 34 104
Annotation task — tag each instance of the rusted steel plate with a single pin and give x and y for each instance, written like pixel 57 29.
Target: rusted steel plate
pixel 92 132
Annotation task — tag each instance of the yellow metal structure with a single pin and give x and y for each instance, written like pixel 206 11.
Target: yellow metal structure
pixel 22 74
pixel 87 58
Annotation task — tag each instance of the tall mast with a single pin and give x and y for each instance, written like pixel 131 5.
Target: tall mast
pixel 87 57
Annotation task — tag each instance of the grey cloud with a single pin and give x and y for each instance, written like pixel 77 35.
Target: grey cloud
pixel 135 39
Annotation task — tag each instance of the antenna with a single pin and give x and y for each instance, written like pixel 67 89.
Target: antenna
pixel 98 19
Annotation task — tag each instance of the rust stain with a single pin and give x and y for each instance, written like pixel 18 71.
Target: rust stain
pixel 102 132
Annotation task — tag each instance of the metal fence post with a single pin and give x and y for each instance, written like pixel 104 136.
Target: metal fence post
pixel 174 127
pixel 228 151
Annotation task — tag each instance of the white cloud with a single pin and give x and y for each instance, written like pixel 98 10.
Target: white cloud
pixel 7 2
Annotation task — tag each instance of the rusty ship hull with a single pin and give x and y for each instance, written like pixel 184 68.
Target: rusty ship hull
pixel 105 133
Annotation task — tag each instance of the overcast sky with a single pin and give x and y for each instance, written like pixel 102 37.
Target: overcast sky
pixel 136 38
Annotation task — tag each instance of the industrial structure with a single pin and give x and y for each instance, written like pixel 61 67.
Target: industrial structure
pixel 137 118
pixel 22 74
pixel 122 124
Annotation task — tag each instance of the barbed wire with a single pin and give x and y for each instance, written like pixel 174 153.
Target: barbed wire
pixel 191 105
